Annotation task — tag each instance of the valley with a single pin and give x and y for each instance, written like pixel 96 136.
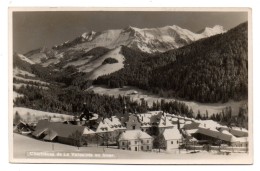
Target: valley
pixel 137 95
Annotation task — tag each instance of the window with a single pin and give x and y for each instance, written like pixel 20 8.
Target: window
pixel 147 147
pixel 123 143
pixel 142 148
pixel 142 129
pixel 135 148
pixel 147 141
pixel 133 127
pixel 171 142
pixel 177 142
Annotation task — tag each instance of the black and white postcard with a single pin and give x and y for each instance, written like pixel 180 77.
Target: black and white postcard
pixel 130 85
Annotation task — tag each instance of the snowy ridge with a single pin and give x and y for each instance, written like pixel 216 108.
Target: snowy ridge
pixel 24 58
pixel 147 39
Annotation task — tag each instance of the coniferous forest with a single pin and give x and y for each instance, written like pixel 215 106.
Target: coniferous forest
pixel 210 70
pixel 214 69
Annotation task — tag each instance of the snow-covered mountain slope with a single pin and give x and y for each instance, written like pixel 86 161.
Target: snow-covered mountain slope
pixel 24 58
pixel 148 39
pixel 96 68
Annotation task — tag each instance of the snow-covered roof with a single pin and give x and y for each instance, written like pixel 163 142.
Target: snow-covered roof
pixel 165 122
pixel 211 132
pixel 103 127
pixel 239 129
pixel 57 129
pixel 88 131
pixel 238 132
pixel 114 123
pixel 174 119
pixel 133 135
pixel 188 122
pixel 226 132
pixel 181 121
pixel 191 131
pixel 172 134
pixel 209 124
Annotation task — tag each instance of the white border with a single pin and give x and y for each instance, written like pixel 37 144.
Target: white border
pixel 5 165
pixel 132 161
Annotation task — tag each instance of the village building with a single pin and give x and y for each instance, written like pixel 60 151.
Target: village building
pixel 212 136
pixel 103 132
pixel 236 131
pixel 116 126
pixel 172 138
pixel 135 140
pixel 23 128
pixel 62 133
pixel 133 122
pixel 164 123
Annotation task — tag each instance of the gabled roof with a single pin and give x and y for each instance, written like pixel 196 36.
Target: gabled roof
pixel 215 134
pixel 88 131
pixel 103 127
pixel 236 131
pixel 62 130
pixel 172 134
pixel 114 123
pixel 133 135
pixel 165 122
pixel 155 118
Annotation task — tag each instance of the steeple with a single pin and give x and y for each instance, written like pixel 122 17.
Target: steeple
pixel 124 109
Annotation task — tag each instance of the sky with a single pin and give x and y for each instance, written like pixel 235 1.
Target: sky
pixel 32 30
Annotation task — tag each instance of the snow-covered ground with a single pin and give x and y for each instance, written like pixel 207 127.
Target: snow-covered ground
pixel 24 58
pixel 32 115
pixel 23 144
pixel 96 68
pixel 78 62
pixel 19 85
pixel 27 80
pixel 150 98
pixel 17 71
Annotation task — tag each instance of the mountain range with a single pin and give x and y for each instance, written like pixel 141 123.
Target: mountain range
pixel 149 40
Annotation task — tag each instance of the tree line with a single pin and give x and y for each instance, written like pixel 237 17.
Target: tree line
pixel 214 69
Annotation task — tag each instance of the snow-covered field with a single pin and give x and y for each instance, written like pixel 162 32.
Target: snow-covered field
pixel 150 98
pixel 23 144
pixel 97 69
pixel 27 80
pixel 32 115
pixel 18 71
